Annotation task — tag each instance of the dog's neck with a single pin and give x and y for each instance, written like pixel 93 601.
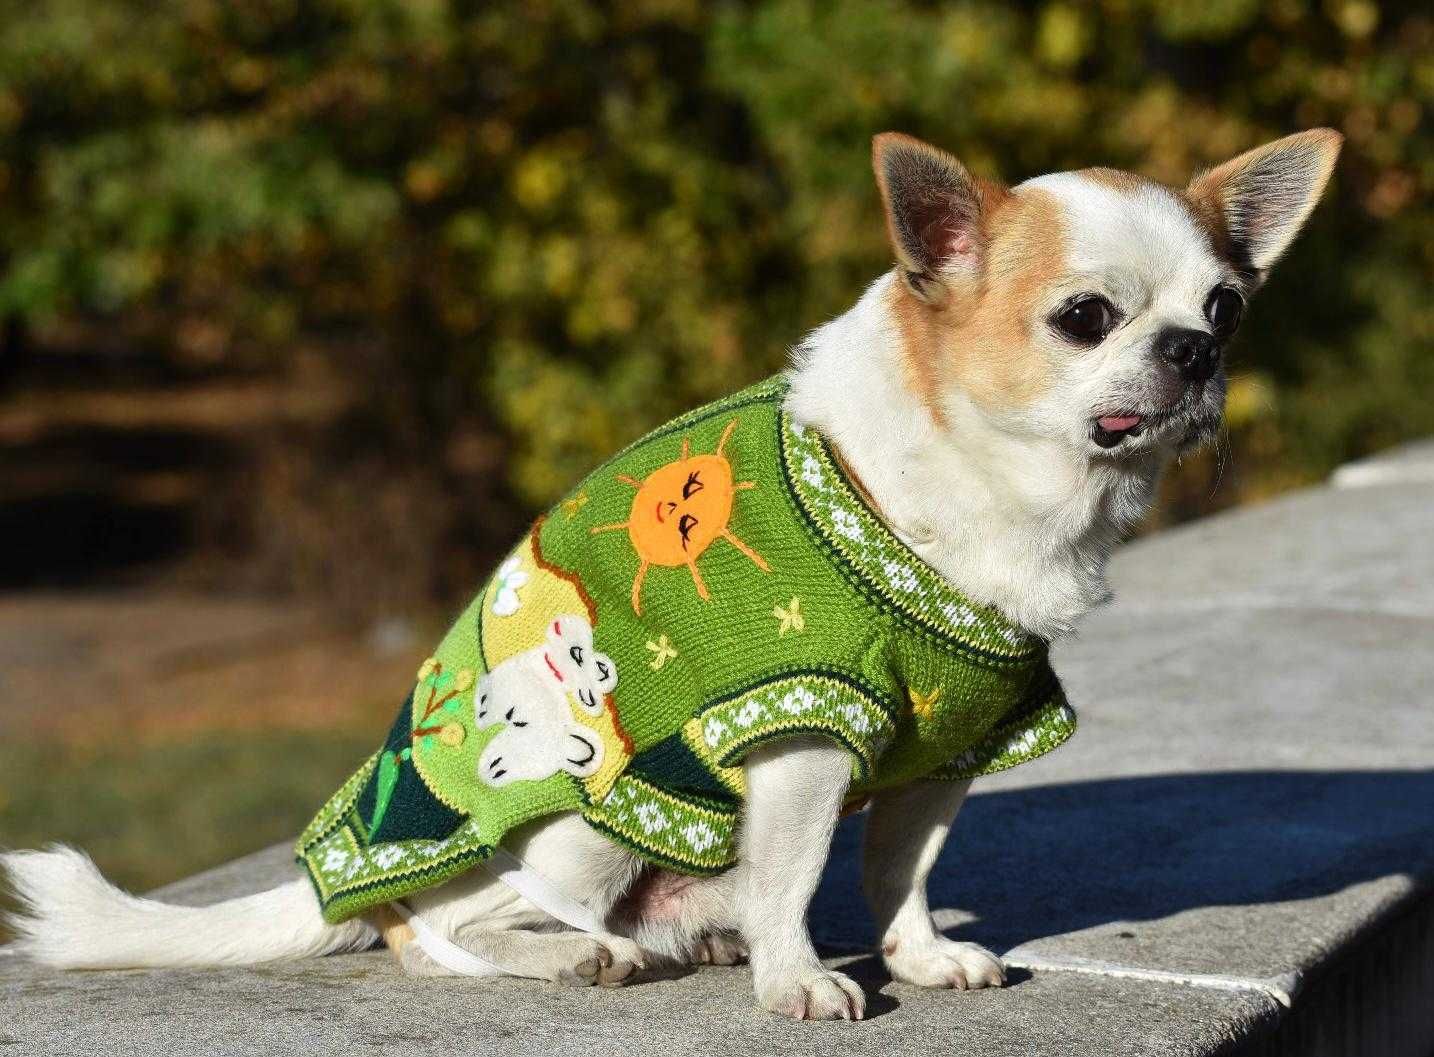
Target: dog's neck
pixel 1021 523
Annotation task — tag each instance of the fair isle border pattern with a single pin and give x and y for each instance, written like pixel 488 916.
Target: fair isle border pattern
pixel 1018 740
pixel 349 876
pixel 669 830
pixel 336 808
pixel 804 702
pixel 695 837
pixel 880 562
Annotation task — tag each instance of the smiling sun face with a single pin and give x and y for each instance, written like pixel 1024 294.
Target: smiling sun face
pixel 679 510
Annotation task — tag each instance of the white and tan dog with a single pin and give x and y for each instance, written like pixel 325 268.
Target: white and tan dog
pixel 1008 394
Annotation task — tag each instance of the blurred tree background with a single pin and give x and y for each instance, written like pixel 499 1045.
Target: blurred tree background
pixel 306 307
pixel 475 246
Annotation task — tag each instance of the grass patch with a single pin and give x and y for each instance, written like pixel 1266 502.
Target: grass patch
pixel 153 813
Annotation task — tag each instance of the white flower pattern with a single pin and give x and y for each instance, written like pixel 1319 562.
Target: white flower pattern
pixel 508 579
pixel 901 577
pixel 699 836
pixel 749 713
pixel 812 472
pixel 651 818
pixel 846 523
pixel 798 701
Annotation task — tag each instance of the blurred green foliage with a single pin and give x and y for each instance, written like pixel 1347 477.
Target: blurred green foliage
pixel 563 220
pixel 151 812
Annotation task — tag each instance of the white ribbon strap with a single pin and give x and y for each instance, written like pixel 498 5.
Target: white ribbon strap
pixel 541 892
pixel 529 884
pixel 447 954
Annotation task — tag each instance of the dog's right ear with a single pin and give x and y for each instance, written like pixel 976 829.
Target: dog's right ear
pixel 935 213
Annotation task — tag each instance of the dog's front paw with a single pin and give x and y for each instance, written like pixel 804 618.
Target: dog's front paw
pixel 944 963
pixel 814 994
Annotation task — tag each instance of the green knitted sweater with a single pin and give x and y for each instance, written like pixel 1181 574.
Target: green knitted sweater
pixel 718 584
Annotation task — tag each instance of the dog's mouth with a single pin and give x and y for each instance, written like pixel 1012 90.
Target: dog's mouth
pixel 1183 426
pixel 1108 431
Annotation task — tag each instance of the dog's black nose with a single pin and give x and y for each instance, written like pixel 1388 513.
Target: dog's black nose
pixel 1194 353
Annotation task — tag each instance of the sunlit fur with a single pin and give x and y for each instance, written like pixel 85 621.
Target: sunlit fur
pixel 968 420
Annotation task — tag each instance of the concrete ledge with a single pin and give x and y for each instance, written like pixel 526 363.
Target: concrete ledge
pixel 1236 854
pixel 1410 464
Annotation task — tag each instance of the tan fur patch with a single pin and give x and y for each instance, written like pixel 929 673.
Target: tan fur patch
pixel 1293 171
pixel 982 336
pixel 915 323
pixel 1208 212
pixel 396 932
pixel 1117 179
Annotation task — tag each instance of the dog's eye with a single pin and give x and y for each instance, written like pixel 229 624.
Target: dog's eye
pixel 576 653
pixel 1223 309
pixel 1087 320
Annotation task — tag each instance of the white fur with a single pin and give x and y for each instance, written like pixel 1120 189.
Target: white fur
pixel 75 919
pixel 1141 249
pixel 794 796
pixel 1015 505
pixel 1022 522
pixel 905 831
pixel 483 915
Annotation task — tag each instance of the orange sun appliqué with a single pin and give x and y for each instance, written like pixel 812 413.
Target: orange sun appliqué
pixel 680 509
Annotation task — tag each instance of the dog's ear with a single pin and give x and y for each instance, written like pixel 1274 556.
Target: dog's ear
pixel 1262 198
pixel 935 213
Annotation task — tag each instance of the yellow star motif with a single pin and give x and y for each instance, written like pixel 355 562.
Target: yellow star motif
pixel 791 617
pixel 662 652
pixel 923 704
pixel 573 505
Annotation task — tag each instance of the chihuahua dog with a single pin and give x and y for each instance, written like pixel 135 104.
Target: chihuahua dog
pixel 1007 396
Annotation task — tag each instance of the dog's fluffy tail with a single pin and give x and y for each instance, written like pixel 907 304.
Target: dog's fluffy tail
pixel 71 917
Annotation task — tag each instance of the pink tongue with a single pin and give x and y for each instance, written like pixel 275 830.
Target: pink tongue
pixel 1118 423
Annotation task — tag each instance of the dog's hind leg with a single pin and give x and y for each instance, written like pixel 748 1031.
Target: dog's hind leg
pixel 574 958
pixel 684 920
pixel 904 833
pixel 484 916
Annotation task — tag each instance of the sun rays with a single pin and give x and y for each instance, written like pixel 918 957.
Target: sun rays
pixel 679 510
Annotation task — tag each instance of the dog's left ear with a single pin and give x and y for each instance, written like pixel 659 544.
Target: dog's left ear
pixel 935 212
pixel 1262 198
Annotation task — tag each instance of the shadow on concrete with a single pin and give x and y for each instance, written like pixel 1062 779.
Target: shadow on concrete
pixel 1032 863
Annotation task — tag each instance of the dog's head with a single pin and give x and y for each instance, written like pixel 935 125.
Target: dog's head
pixel 1088 308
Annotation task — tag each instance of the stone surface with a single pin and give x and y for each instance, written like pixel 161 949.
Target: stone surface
pixel 362 1004
pixel 1408 464
pixel 1242 825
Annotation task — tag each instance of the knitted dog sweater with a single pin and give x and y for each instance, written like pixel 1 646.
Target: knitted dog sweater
pixel 719 584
